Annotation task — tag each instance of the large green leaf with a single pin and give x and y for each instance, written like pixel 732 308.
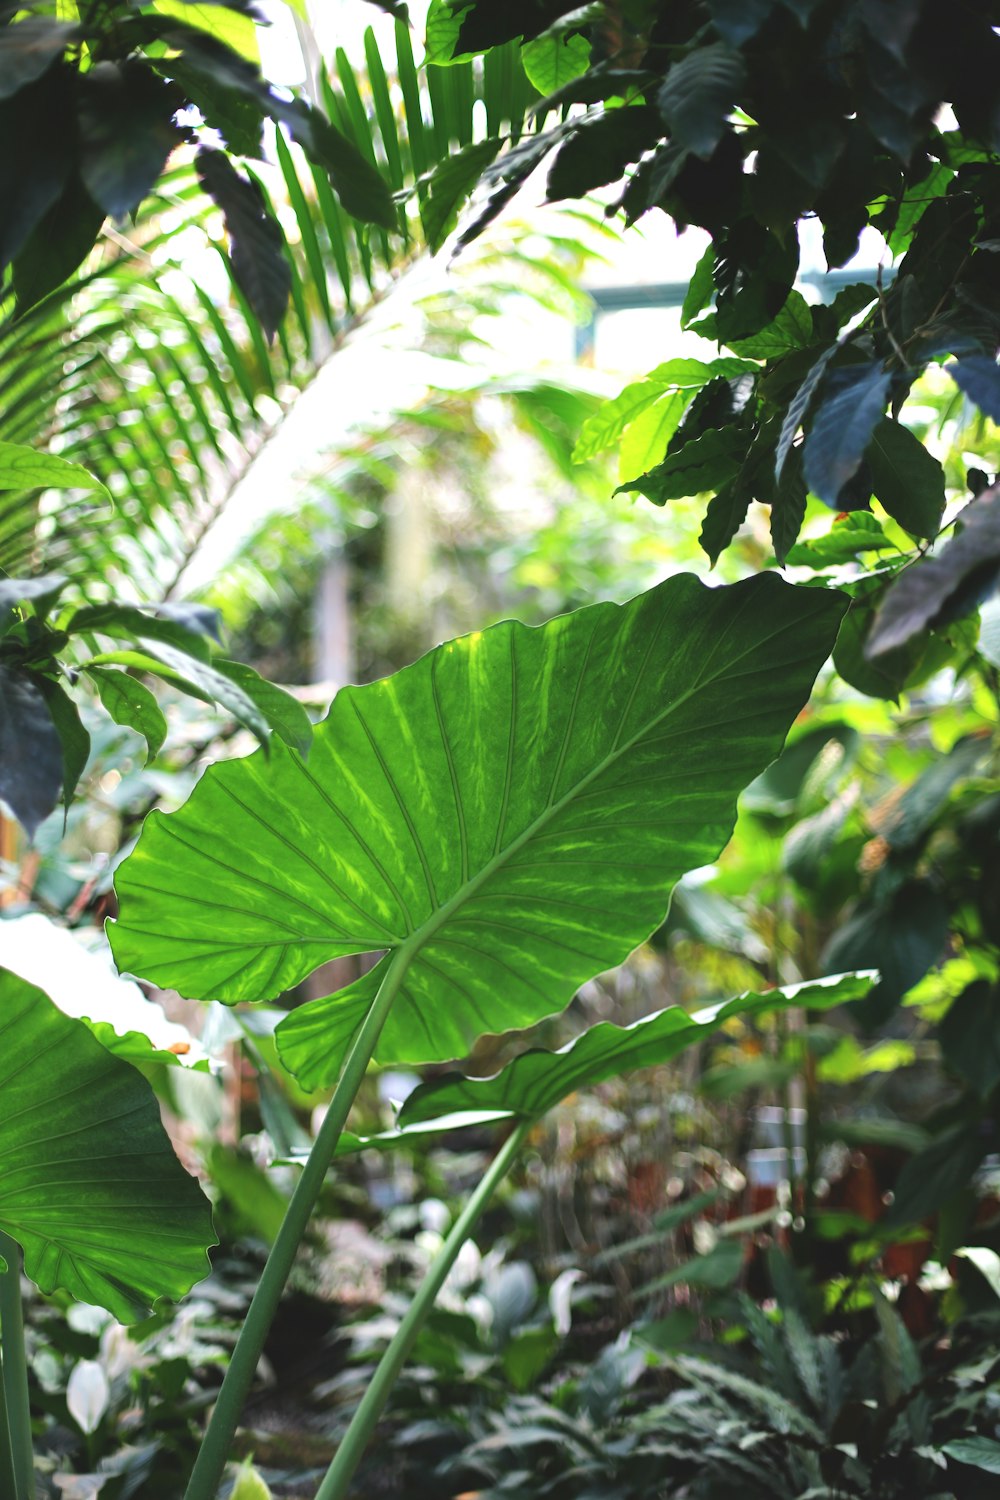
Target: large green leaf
pixel 536 1081
pixel 507 817
pixel 89 1185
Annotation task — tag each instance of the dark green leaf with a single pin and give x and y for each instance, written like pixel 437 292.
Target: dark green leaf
pixel 29 47
pixel 713 1272
pixel 284 714
pixel 902 936
pixel 238 117
pixel 39 591
pixel 737 21
pixel 790 330
pixel 40 117
pixel 798 407
pixel 969 1036
pixel 126 622
pixel 853 403
pixel 878 676
pixel 725 515
pixel 200 619
pixel 126 133
pixel 204 680
pixel 256 243
pixel 130 703
pixel 73 738
pixel 706 462
pixel 788 507
pixel 700 93
pixel 600 150
pixel 980 1452
pixel 944 587
pixel 978 376
pixel 906 478
pixel 59 243
pixel 444 817
pixel 449 185
pixel 359 185
pixel 92 1191
pixel 31 760
pixel 536 1081
pixel 936 1174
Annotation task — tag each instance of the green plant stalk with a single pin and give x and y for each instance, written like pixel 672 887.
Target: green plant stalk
pixel 356 1439
pixel 8 1483
pixel 211 1461
pixel 15 1373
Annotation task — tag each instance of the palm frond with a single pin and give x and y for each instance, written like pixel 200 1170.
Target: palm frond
pixel 163 382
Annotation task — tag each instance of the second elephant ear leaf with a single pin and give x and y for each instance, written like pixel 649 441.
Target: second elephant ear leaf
pixel 506 817
pixel 90 1187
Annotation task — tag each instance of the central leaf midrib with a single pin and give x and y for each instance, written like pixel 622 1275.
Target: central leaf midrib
pixel 417 939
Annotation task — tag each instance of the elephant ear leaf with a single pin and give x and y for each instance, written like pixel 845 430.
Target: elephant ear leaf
pixel 536 1081
pixel 90 1187
pixel 506 817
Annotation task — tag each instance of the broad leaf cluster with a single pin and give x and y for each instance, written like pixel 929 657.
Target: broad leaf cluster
pixel 99 103
pixel 744 120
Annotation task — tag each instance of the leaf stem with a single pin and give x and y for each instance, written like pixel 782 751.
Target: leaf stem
pixel 16 1405
pixel 210 1464
pixel 351 1450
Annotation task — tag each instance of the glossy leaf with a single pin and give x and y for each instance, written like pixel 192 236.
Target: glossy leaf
pixel 28 48
pixel 906 478
pixel 450 185
pixel 706 462
pixel 700 93
pixel 91 1189
pixel 507 815
pixel 944 587
pixel 25 468
pixel 852 405
pixel 978 377
pixel 536 1081
pixel 130 703
pixel 256 242
pixel 283 713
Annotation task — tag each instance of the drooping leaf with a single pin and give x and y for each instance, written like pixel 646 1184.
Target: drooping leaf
pixel 906 478
pixel 701 288
pixel 790 329
pixel 798 406
pixel 978 376
pixel 507 816
pixel 59 243
pixel 853 403
pixel 31 758
pixel 788 507
pixel 725 515
pixel 91 1189
pixel 73 738
pixel 126 621
pixel 284 714
pixel 25 468
pixel 699 94
pixel 130 703
pixel 126 133
pixel 30 46
pixel 40 118
pixel 705 463
pixel 449 185
pixel 600 150
pixel 980 1452
pixel 937 589
pixel 256 242
pixel 536 1081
